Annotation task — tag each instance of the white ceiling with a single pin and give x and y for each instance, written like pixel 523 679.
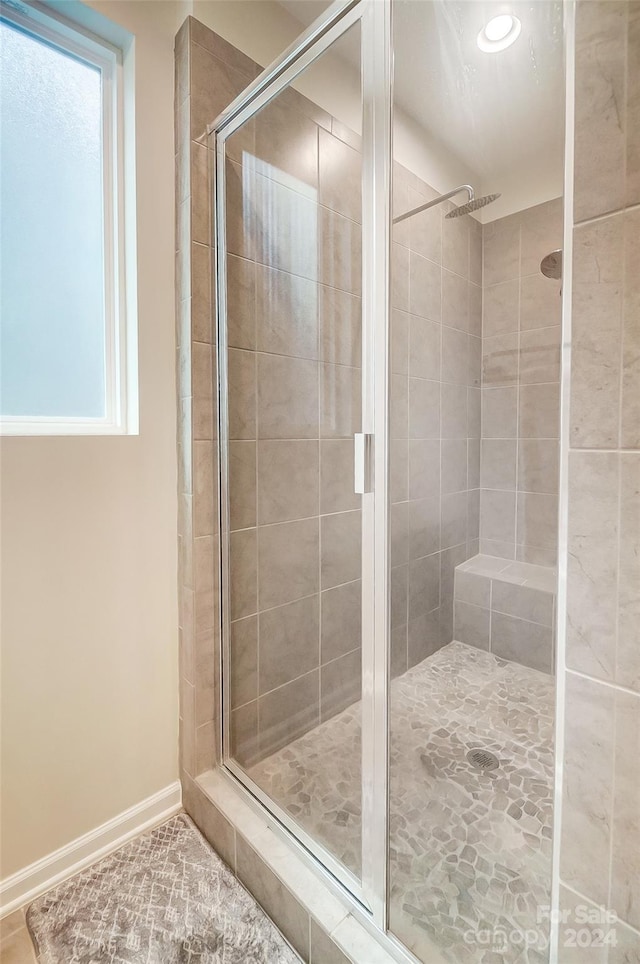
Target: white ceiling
pixel 501 115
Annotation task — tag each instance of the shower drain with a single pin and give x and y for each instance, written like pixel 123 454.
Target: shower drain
pixel 483 759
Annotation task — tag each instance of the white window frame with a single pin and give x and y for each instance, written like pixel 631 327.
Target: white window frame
pixel 121 395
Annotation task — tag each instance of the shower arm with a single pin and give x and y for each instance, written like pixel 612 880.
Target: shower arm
pixel 437 200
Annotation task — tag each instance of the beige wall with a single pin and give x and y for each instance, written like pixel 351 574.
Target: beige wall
pixel 600 842
pixel 89 607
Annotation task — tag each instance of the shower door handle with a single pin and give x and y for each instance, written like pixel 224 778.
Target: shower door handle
pixel 363 463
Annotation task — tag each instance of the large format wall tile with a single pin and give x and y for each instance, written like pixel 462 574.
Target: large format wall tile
pixel 588 793
pixel 593 561
pixel 599 179
pixel 598 260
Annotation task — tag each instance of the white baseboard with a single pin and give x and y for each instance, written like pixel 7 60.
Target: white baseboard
pixel 39 877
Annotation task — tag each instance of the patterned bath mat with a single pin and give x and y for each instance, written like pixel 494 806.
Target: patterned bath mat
pixel 163 898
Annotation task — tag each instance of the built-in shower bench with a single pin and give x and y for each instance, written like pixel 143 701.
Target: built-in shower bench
pixel 507 608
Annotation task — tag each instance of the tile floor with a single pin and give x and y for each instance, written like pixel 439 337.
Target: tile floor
pixel 470 850
pixel 15 943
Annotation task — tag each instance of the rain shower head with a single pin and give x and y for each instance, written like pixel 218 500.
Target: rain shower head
pixel 472 205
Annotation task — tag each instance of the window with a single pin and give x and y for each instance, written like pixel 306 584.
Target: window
pixel 65 360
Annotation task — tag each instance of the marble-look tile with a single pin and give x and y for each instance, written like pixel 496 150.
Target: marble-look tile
pixel 625 854
pixel 498 463
pixel 286 313
pixel 593 562
pixel 281 379
pixel 572 907
pixel 541 233
pixel 242 484
pixel 628 651
pixel 400 277
pixel 243 676
pixel 399 534
pixel 539 411
pixel 323 949
pixel 288 480
pixel 340 401
pixel 424 288
pixel 537 520
pixel 539 356
pixel 455 364
pixel 287 562
pixel 423 527
pixel 538 465
pixel 524 642
pixel 424 585
pixel 453 400
pixel 633 106
pixel 453 454
pixel 455 301
pixel 453 525
pixel 424 348
pixel 500 361
pixel 340 176
pixel 498 515
pixel 288 642
pixel 471 625
pixel 630 410
pixel 540 302
pixel 424 230
pixel 286 142
pixel 340 539
pixel 596 332
pixel 288 712
pixel 587 788
pixel 340 251
pixel 499 413
pixel 525 602
pixel 471 587
pixel 243 573
pixel 424 408
pixel 340 327
pixel 455 245
pixel 340 684
pixel 599 142
pixel 399 339
pixel 241 303
pixel 501 250
pixel 423 637
pixel 242 394
pixel 279 903
pixel 424 468
pixel 337 476
pixel 500 310
pixel 341 620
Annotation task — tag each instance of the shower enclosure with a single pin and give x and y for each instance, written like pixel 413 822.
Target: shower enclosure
pixel 388 424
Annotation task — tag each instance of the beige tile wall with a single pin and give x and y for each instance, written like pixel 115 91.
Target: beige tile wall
pixel 209 73
pixel 520 387
pixel 600 845
pixel 436 321
pixel 294 246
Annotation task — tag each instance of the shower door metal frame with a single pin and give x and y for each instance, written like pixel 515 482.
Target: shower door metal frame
pixel 374 17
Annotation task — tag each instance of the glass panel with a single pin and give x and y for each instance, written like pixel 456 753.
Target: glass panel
pixel 293 222
pixel 52 299
pixel 475 342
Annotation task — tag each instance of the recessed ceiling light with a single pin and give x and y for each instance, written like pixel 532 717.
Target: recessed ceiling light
pixel 499 33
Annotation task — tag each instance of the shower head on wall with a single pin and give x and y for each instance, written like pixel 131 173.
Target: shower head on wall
pixel 473 204
pixel 551 265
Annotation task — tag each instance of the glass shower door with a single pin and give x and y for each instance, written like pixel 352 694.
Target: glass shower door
pixel 296 371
